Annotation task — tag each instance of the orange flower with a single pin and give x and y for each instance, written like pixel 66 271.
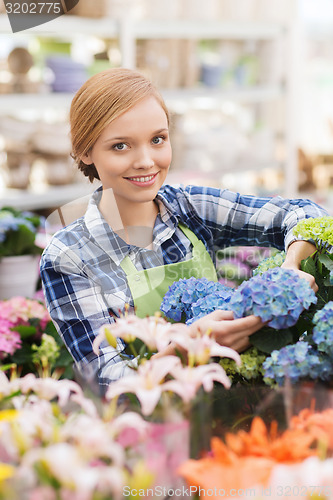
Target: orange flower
pixel 318 424
pixel 246 459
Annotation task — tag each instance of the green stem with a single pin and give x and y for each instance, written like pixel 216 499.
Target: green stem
pixel 133 350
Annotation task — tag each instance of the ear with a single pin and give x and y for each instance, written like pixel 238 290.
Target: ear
pixel 86 158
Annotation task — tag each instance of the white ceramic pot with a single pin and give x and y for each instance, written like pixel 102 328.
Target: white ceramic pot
pixel 18 276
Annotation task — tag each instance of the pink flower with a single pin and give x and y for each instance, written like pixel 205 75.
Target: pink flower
pixel 43 493
pixel 153 331
pixel 10 340
pixel 19 309
pixel 129 428
pixel 187 380
pixel 202 347
pixel 147 383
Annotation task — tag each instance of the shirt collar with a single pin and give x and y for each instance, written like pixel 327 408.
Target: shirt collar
pixel 110 242
pixel 166 211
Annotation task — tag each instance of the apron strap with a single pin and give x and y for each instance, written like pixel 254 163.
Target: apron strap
pixel 127 266
pixel 189 234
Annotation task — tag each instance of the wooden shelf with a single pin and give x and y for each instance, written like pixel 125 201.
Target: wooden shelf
pixel 45 197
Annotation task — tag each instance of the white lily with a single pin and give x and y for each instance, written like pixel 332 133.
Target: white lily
pixel 187 380
pixel 147 384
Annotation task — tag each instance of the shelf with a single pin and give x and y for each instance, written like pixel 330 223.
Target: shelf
pixel 48 197
pixel 197 29
pixel 200 97
pixel 68 26
pixel 205 97
pixel 18 102
pixel 144 29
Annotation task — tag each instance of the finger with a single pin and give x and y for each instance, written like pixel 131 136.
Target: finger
pixel 249 324
pixel 242 345
pixel 221 314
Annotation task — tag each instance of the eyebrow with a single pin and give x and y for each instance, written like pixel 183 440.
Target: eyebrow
pixel 125 138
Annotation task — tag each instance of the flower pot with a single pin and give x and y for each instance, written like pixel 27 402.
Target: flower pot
pixel 18 276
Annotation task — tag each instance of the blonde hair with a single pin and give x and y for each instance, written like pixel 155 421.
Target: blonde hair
pixel 100 100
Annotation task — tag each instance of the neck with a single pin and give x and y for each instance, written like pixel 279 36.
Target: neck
pixel 134 223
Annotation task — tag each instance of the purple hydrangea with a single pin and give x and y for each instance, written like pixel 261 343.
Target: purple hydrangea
pixel 297 361
pixel 323 331
pixel 192 298
pixel 278 296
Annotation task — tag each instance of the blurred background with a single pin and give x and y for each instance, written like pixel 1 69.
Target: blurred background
pixel 249 84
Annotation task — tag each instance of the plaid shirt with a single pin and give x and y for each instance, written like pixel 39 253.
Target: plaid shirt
pixel 85 287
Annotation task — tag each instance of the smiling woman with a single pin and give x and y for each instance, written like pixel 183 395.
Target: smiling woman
pixel 139 235
pixel 133 161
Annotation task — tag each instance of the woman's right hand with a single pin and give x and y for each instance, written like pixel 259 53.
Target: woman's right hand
pixel 226 330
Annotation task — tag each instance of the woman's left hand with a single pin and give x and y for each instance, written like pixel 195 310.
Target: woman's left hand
pixel 306 276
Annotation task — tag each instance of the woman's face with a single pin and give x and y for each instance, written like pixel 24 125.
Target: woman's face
pixel 133 154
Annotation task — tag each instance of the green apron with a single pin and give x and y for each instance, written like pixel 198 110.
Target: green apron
pixel 149 286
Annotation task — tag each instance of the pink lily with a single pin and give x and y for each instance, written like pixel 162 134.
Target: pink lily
pixel 202 347
pixel 153 331
pixel 189 379
pixel 147 384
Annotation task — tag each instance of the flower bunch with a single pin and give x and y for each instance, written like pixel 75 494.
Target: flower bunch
pixel 48 452
pixel 181 374
pixel 278 296
pixel 18 231
pixel 302 359
pixel 253 460
pixel 183 299
pixel 28 338
pixel 275 260
pixel 319 229
pixel 295 362
pixel 250 368
pixel 323 329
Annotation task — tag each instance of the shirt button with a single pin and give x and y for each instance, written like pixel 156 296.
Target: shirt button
pixel 137 278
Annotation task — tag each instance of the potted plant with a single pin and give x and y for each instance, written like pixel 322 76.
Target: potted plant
pixel 19 252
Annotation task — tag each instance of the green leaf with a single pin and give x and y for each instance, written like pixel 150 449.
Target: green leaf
pixel 23 355
pixel 267 339
pixel 309 266
pixel 25 331
pixel 327 261
pixel 50 329
pixel 7 367
pixel 328 282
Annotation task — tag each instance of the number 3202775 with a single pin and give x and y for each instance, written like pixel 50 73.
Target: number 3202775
pixel 33 8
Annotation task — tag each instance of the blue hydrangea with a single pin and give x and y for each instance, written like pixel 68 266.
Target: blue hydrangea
pixel 278 296
pixel 8 222
pixel 205 305
pixel 297 361
pixel 323 330
pixel 192 298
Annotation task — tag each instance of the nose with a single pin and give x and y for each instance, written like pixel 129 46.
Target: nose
pixel 143 158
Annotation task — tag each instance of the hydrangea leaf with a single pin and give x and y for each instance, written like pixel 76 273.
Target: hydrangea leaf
pixel 308 266
pixel 327 261
pixel 268 339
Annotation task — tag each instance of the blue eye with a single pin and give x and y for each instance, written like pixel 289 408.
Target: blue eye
pixel 121 146
pixel 158 139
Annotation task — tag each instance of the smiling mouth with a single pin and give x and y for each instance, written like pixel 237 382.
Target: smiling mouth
pixel 146 178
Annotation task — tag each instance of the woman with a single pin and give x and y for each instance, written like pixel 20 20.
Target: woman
pixel 138 235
